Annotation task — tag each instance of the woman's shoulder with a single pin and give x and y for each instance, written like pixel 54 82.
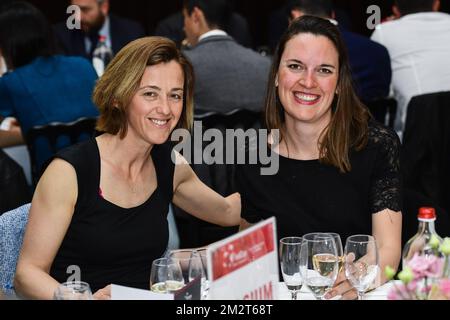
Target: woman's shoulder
pixel 382 136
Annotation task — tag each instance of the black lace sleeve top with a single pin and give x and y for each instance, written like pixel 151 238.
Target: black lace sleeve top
pixel 308 196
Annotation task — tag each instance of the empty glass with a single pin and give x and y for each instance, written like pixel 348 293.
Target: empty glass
pixel 290 264
pixel 75 290
pixel 361 262
pixel 319 262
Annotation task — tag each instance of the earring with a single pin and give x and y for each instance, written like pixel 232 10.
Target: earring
pixel 276 82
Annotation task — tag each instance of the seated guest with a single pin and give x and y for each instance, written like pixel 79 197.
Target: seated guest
pixel 338 170
pixel 172 28
pixel 369 61
pixel 96 21
pixel 418 42
pixel 228 75
pixel 40 87
pixel 102 205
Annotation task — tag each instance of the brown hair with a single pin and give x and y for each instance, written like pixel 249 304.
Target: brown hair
pixel 121 80
pixel 349 123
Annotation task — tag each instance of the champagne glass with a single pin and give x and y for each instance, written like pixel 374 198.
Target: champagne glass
pixel 290 264
pixel 75 290
pixel 319 262
pixel 361 262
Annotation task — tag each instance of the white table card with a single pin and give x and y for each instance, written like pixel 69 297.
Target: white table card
pixel 245 266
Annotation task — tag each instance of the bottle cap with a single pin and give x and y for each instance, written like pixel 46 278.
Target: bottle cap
pixel 427 213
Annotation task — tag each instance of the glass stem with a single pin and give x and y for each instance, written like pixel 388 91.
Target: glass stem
pixel 294 294
pixel 360 295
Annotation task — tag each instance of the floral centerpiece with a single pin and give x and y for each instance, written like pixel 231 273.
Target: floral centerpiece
pixel 424 277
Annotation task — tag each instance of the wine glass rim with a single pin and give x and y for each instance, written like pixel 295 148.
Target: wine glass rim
pixel 306 236
pixel 75 283
pixel 369 237
pixel 285 239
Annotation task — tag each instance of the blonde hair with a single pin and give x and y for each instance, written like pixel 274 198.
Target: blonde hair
pixel 116 88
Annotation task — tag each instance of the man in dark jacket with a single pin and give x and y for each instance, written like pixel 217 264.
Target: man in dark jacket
pixel 96 21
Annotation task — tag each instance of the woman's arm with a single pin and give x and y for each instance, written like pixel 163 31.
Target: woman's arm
pixel 12 136
pixel 50 215
pixel 387 230
pixel 193 196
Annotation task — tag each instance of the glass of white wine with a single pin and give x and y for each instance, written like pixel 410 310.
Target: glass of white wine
pixel 319 263
pixel 175 280
pixel 158 275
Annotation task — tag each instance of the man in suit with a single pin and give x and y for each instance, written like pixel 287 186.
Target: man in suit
pixel 369 61
pixel 96 21
pixel 172 28
pixel 228 75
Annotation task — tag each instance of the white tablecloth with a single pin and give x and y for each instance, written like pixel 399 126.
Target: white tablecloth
pixel 379 293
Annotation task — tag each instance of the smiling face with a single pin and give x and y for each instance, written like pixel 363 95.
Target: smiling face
pixel 156 107
pixel 307 79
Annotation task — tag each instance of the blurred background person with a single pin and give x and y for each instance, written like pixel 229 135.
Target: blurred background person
pixel 96 21
pixel 40 87
pixel 418 41
pixel 228 75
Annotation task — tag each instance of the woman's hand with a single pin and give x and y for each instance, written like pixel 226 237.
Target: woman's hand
pixel 342 287
pixel 103 294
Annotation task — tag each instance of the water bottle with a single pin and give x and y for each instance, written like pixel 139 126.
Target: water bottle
pixel 101 56
pixel 419 243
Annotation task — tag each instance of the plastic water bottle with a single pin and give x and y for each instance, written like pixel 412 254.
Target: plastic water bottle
pixel 101 56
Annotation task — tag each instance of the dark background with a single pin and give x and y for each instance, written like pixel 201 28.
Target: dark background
pixel 257 12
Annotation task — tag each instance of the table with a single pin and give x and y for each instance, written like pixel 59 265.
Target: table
pixel 379 293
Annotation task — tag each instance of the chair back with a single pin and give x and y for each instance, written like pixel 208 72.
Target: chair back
pixel 12 229
pixel 219 177
pixel 425 155
pixel 44 141
pixel 383 110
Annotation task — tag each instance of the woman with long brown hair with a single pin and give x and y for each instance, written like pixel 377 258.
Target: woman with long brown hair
pixel 338 169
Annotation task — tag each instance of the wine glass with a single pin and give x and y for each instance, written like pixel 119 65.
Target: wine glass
pixel 319 262
pixel 205 283
pixel 340 251
pixel 196 270
pixel 158 275
pixel 75 290
pixel 361 262
pixel 290 264
pixel 175 280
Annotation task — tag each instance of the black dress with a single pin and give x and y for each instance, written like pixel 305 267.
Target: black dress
pixel 110 244
pixel 307 196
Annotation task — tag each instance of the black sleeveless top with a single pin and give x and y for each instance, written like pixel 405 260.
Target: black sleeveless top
pixel 110 244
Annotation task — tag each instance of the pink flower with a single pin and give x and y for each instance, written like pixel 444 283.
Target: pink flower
pixel 445 287
pixel 425 266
